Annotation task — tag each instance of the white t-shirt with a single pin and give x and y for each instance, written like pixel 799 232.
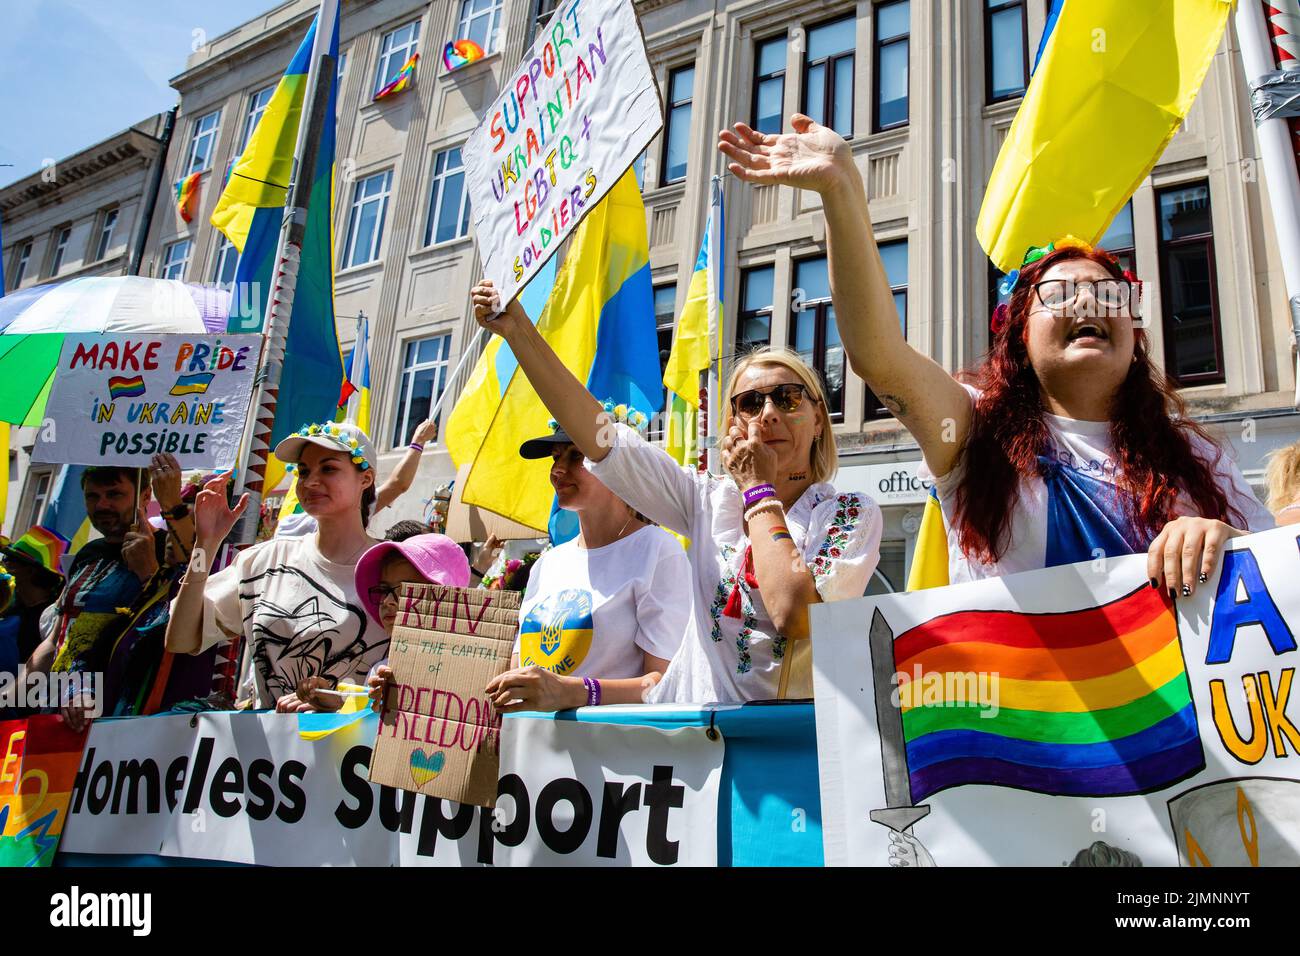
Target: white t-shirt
pixel 729 659
pixel 1046 530
pixel 591 612
pixel 300 613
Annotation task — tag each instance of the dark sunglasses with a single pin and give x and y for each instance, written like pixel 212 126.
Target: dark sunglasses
pixel 786 397
pixel 381 591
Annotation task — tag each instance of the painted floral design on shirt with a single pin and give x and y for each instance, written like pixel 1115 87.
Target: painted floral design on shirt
pixel 748 621
pixel 848 509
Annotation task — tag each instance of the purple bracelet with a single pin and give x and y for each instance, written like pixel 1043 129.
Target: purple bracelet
pixel 416 446
pixel 758 493
pixel 593 691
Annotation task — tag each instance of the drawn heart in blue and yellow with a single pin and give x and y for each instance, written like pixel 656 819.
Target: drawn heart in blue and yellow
pixel 424 767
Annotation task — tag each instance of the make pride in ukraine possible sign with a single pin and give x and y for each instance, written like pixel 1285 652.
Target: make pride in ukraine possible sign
pixel 574 115
pixel 121 399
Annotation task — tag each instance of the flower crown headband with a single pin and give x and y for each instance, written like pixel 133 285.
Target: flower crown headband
pixel 333 431
pixel 1002 313
pixel 623 414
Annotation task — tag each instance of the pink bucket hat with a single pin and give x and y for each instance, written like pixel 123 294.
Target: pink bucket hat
pixel 438 559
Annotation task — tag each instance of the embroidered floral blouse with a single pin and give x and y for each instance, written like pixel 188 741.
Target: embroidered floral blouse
pixel 723 658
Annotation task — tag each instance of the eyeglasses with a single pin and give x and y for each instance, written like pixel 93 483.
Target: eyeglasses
pixel 381 591
pixel 1058 294
pixel 786 397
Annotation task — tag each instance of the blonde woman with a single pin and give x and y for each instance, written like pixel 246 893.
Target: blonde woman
pixel 1283 480
pixel 767 540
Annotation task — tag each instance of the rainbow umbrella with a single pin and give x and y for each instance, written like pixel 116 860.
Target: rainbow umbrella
pixel 34 321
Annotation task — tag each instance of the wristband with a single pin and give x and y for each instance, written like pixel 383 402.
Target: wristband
pixel 593 691
pixel 756 494
pixel 765 504
pixel 416 446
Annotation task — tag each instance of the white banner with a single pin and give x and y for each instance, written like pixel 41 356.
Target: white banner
pixel 247 788
pixel 572 117
pixel 121 399
pixel 1069 716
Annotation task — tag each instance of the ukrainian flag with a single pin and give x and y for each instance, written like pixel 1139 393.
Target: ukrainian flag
pixel 250 213
pixel 599 319
pixel 930 558
pixel 357 385
pixel 1110 90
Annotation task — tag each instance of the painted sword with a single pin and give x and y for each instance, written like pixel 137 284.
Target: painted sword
pixel 900 813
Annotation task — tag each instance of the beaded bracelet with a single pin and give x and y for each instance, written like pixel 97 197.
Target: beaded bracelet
pixel 756 494
pixel 416 446
pixel 766 504
pixel 593 691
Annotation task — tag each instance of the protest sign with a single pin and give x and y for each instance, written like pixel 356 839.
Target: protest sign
pixel 249 788
pixel 39 757
pixel 572 117
pixel 1068 716
pixel 121 399
pixel 440 734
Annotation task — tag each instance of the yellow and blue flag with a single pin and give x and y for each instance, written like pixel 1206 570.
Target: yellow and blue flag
pixel 250 212
pixel 930 558
pixel 1111 87
pixel 65 513
pixel 599 319
pixel 356 387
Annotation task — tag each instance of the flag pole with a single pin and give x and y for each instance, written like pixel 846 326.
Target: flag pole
pixel 284 280
pixel 714 397
pixel 1278 155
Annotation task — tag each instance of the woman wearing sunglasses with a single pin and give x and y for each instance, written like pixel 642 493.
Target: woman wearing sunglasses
pixel 767 541
pixel 1072 444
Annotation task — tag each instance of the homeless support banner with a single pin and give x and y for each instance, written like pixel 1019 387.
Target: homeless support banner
pixel 39 757
pixel 247 788
pixel 1069 716
pixel 120 399
pixel 574 115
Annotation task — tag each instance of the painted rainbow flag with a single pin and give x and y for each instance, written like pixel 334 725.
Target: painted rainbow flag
pixel 1093 702
pixel 121 386
pixel 187 191
pixel 458 53
pixel 403 78
pixel 195 384
pixel 42 757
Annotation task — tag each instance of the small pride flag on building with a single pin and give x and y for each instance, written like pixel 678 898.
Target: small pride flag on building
pixel 195 384
pixel 187 192
pixel 402 80
pixel 1094 702
pixel 120 386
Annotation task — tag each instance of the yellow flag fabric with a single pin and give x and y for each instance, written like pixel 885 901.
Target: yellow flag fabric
pixel 690 352
pixel 1114 84
pixel 681 437
pixel 487 426
pixel 930 559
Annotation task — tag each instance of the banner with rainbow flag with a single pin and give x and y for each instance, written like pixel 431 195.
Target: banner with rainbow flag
pixel 39 758
pixel 996 722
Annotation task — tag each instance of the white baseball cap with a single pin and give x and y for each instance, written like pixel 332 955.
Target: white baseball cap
pixel 335 436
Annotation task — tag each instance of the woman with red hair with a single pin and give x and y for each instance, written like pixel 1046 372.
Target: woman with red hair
pixel 1071 444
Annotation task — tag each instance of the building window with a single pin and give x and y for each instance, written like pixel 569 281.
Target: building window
pixel 40 498
pixel 424 376
pixel 366 219
pixel 1193 342
pixel 448 199
pixel 677 132
pixel 769 84
pixel 665 304
pixel 754 326
pixel 894 256
pixel 203 143
pixel 226 263
pixel 256 107
pixel 813 333
pixel 828 75
pixel 60 248
pixel 542 11
pixel 638 168
pixel 176 259
pixel 1118 240
pixel 106 234
pixel 480 21
pixel 1006 70
pixel 340 71
pixel 20 266
pixel 892 28
pixel 394 50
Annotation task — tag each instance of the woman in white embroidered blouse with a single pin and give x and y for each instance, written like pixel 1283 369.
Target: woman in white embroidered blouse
pixel 766 542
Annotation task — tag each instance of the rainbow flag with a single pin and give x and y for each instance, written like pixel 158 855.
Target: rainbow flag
pixel 39 759
pixel 123 386
pixel 458 53
pixel 195 384
pixel 187 193
pixel 1094 702
pixel 402 80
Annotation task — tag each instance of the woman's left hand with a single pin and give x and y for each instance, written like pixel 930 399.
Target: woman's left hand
pixel 1186 551
pixel 746 458
pixel 535 688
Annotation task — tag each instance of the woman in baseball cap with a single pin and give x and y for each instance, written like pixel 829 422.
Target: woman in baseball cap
pixel 293 599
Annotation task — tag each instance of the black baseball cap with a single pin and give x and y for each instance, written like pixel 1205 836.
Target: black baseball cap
pixel 541 447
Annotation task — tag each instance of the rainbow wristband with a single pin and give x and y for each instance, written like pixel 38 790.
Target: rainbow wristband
pixel 593 691
pixel 756 494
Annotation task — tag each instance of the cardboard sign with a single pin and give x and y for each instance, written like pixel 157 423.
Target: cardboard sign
pixel 121 399
pixel 571 119
pixel 439 734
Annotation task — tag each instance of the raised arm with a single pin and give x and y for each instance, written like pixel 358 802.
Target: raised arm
pixel 925 398
pixel 399 482
pixel 213 519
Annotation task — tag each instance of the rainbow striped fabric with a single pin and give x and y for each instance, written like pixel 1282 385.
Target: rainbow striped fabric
pixel 458 53
pixel 126 386
pixel 187 191
pixel 41 546
pixel 402 80
pixel 1093 702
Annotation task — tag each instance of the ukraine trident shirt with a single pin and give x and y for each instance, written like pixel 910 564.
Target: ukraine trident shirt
pixel 594 612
